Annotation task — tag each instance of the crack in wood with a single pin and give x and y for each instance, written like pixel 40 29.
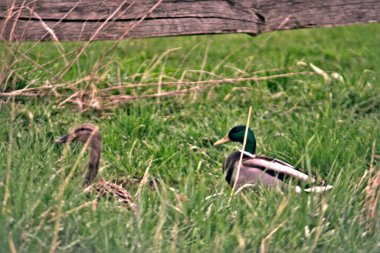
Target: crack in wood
pixel 124 20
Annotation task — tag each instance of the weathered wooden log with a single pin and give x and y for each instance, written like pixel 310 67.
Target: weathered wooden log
pixel 73 20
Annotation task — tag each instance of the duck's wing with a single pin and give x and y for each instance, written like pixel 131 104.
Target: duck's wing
pixel 282 169
pixel 255 176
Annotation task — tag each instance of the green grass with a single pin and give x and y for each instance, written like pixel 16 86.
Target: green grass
pixel 327 127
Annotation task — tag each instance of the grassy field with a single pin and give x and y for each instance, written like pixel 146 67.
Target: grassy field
pixel 326 125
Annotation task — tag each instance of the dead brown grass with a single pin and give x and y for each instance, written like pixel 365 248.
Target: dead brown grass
pixel 90 96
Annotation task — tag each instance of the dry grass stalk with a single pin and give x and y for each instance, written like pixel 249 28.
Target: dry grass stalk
pixel 116 100
pixel 187 56
pixel 241 155
pixel 144 180
pixel 370 207
pixel 240 239
pixel 204 61
pixel 7 193
pixel 212 81
pixel 323 210
pixel 11 243
pixel 37 229
pixel 245 198
pixel 173 243
pixel 127 31
pixel 50 31
pixel 155 62
pixel 264 246
pixel 161 221
pixel 67 213
pixel 63 56
pixel 92 38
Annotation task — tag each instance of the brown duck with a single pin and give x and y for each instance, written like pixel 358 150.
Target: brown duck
pixel 89 134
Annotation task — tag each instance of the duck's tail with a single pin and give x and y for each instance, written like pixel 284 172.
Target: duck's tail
pixel 314 188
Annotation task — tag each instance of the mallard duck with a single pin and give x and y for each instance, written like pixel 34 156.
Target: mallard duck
pixel 259 169
pixel 89 134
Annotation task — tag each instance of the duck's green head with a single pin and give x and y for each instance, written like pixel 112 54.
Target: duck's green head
pixel 236 134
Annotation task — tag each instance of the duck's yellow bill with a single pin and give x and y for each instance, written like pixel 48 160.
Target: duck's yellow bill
pixel 221 141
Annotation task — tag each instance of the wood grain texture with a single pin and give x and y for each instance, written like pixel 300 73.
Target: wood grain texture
pixel 72 20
